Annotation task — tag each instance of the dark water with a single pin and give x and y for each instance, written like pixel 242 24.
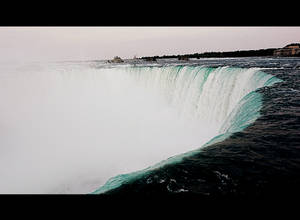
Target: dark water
pixel 261 161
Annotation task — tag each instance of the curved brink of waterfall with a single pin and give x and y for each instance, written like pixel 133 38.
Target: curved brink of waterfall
pixel 224 96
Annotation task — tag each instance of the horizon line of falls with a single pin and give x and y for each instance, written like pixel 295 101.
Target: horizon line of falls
pixel 73 129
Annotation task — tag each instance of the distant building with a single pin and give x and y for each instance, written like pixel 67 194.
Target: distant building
pixel 116 60
pixel 135 59
pixel 289 50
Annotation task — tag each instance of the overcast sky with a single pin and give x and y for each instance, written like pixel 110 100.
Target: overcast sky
pixel 90 43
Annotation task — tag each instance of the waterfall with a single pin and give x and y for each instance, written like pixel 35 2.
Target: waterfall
pixel 223 98
pixel 69 127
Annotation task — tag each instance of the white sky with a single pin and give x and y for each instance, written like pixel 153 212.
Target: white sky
pixel 90 43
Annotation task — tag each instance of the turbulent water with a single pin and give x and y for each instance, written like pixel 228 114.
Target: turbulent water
pixel 74 127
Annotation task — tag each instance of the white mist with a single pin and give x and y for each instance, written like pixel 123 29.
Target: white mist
pixel 68 128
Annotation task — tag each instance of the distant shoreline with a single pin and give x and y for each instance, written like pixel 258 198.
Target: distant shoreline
pixel 239 53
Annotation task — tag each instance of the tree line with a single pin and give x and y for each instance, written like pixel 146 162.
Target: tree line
pixel 239 53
